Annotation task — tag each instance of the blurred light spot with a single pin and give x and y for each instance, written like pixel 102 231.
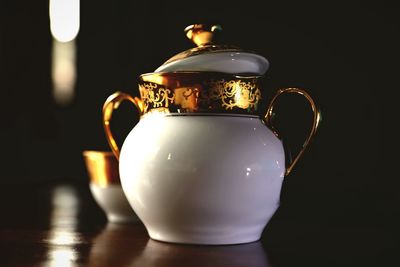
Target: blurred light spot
pixel 64 197
pixel 65 209
pixel 64 19
pixel 248 171
pixel 62 257
pixel 63 71
pixel 63 237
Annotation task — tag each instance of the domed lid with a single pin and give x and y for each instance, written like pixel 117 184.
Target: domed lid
pixel 209 57
pixel 213 79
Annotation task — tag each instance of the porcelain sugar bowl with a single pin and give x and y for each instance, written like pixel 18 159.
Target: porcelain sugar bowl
pixel 201 166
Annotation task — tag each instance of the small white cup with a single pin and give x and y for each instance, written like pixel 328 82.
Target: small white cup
pixel 105 185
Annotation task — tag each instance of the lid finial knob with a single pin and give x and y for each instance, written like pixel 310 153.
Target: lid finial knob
pixel 201 34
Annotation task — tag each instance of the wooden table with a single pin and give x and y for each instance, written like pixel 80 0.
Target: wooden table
pixel 61 225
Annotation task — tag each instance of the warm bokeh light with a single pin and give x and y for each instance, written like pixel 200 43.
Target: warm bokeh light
pixel 63 71
pixel 63 237
pixel 64 19
pixel 62 257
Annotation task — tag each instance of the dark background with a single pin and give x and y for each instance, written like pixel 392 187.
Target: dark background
pixel 339 52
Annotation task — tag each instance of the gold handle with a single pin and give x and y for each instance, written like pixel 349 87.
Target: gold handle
pixel 113 102
pixel 316 120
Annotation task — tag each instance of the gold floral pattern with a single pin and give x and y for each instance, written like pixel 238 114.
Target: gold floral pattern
pixel 187 98
pixel 235 93
pixel 211 96
pixel 155 96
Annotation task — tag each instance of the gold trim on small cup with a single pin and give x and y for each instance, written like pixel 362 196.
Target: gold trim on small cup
pixel 102 167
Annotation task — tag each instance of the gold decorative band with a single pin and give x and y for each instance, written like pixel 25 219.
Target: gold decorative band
pixel 199 93
pixel 102 167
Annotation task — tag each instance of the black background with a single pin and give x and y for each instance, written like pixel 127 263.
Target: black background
pixel 339 52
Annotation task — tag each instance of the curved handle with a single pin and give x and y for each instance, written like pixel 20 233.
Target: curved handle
pixel 113 102
pixel 316 120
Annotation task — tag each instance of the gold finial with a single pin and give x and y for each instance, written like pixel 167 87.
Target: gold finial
pixel 201 34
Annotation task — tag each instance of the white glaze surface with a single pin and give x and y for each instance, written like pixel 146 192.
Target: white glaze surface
pixel 202 179
pixel 227 62
pixel 113 202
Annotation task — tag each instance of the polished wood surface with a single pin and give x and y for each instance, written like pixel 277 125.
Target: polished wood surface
pixel 61 225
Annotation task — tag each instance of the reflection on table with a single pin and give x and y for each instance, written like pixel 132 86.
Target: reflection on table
pixel 64 227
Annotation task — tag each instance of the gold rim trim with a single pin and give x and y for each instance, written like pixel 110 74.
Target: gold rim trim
pixel 97 154
pixel 102 167
pixel 194 92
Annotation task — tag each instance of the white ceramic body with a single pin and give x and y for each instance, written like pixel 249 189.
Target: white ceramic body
pixel 113 202
pixel 202 179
